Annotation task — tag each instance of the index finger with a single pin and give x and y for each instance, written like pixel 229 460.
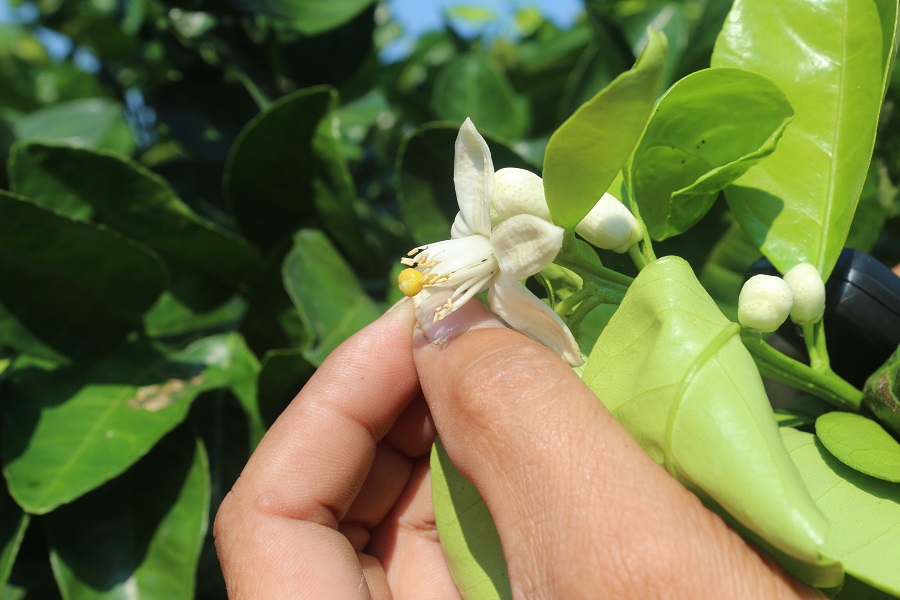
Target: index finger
pixel 278 525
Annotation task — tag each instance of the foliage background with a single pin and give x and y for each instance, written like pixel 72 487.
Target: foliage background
pixel 202 199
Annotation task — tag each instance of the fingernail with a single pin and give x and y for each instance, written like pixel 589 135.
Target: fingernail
pixel 472 315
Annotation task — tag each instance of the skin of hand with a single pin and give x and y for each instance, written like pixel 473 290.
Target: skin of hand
pixel 336 500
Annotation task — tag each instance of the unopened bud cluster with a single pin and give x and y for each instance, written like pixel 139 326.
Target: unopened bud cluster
pixel 766 301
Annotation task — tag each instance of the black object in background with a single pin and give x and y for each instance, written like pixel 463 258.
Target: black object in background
pixel 862 315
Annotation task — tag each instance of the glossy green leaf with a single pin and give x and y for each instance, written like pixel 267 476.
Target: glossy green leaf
pixel 325 292
pixel 312 17
pixel 673 371
pixel 468 536
pixel 140 534
pixel 70 289
pixel 861 444
pixel 13 522
pixel 831 59
pixel 473 86
pixel 863 512
pixel 89 123
pixel 426 196
pixel 587 151
pixel 286 170
pixel 67 431
pixel 110 190
pixel 706 131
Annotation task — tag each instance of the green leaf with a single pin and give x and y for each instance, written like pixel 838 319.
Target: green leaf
pixel 425 192
pixel 311 17
pixel 88 123
pixel 706 131
pixel 673 371
pixel 140 534
pixel 587 151
pixel 282 373
pixel 831 59
pixel 725 269
pixel 13 522
pixel 286 170
pixel 473 86
pixel 70 289
pixel 863 512
pixel 104 188
pixel 861 444
pixel 325 292
pixel 800 410
pixel 468 537
pixel 67 431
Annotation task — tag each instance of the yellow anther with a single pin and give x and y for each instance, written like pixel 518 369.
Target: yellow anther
pixel 410 282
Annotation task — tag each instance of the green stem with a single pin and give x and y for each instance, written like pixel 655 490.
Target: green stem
pixel 637 257
pixel 563 307
pixel 814 338
pixel 581 312
pixel 826 385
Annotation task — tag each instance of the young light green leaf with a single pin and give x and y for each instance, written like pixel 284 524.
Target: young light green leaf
pixel 325 292
pixel 587 151
pixel 706 131
pixel 673 371
pixel 832 60
pixel 140 534
pixel 468 536
pixel 70 289
pixel 863 512
pixel 67 431
pixel 861 444
pixel 473 86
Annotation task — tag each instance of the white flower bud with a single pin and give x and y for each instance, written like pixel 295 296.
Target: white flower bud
pixel 518 192
pixel 764 302
pixel 610 225
pixel 809 293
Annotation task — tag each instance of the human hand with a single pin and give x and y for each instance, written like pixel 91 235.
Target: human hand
pixel 335 502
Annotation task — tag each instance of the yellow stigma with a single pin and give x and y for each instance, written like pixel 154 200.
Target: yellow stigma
pixel 410 282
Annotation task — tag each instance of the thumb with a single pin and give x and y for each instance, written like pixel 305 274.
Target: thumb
pixel 580 507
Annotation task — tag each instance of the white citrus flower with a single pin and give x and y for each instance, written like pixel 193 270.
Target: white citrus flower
pixel 445 275
pixel 764 303
pixel 809 293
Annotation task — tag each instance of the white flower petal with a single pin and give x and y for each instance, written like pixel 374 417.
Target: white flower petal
pixel 525 244
pixel 473 177
pixel 459 228
pixel 524 312
pixel 610 225
pixel 518 192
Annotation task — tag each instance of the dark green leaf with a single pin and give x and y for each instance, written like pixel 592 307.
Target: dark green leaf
pixel 309 16
pixel 282 374
pixel 475 87
pixel 706 131
pixel 286 170
pixel 13 522
pixel 468 535
pixel 800 410
pixel 863 512
pixel 587 151
pixel 831 59
pixel 861 444
pixel 325 293
pixel 70 289
pixel 90 123
pixel 140 534
pixel 67 431
pixel 674 372
pixel 426 195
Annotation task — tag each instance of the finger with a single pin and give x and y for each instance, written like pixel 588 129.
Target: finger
pixel 276 531
pixel 580 507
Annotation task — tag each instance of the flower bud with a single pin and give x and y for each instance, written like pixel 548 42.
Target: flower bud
pixel 518 192
pixel 610 225
pixel 764 303
pixel 809 293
